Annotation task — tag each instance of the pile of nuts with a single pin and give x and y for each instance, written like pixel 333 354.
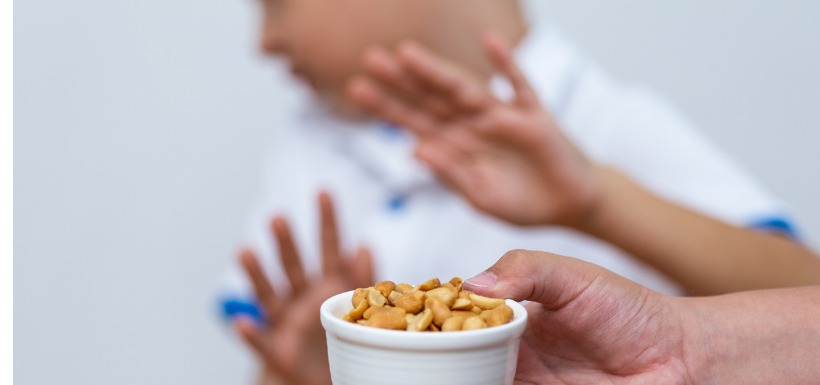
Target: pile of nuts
pixel 429 306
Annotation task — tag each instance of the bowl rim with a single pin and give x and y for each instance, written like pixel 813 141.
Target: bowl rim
pixel 399 339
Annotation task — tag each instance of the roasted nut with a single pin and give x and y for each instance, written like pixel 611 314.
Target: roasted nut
pixel 473 323
pixel 385 287
pixel 358 312
pixel 411 302
pixel 443 294
pixel 462 304
pixel 369 312
pixel 420 322
pixel 463 314
pixel 404 288
pixel 429 284
pixel 388 318
pixel 485 303
pixel 393 297
pixel 430 307
pixel 452 324
pixel 457 282
pixel 499 316
pixel 440 311
pixel 375 298
pixel 359 295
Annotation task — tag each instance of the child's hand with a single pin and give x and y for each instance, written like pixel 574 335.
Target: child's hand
pixel 292 345
pixel 509 160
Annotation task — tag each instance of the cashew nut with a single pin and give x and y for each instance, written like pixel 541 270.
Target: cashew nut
pixel 499 316
pixel 473 323
pixel 404 288
pixel 385 287
pixel 443 294
pixel 420 322
pixel 429 284
pixel 440 310
pixel 393 297
pixel 358 312
pixel 428 307
pixel 359 295
pixel 457 282
pixel 462 304
pixel 375 298
pixel 388 318
pixel 411 302
pixel 452 324
pixel 486 303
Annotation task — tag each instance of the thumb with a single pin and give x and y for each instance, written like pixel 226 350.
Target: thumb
pixel 550 279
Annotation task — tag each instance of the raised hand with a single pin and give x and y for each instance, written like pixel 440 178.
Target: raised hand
pixel 291 346
pixel 508 159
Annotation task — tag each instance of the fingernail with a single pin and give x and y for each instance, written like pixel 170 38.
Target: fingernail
pixel 485 279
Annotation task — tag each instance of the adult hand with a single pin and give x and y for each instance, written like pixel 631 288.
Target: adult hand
pixel 291 346
pixel 587 325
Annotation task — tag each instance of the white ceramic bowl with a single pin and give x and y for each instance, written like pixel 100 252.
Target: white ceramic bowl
pixel 361 355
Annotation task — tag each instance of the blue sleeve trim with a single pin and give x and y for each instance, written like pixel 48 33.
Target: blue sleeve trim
pixel 236 307
pixel 776 224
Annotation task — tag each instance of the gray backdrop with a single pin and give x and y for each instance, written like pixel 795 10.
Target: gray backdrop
pixel 141 126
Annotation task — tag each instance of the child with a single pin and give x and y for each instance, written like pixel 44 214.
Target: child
pixel 511 161
pixel 415 226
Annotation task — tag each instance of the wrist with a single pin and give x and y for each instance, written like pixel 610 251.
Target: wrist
pixel 699 342
pixel 591 218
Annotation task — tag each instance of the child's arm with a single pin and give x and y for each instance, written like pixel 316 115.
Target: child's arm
pixel 511 161
pixel 706 256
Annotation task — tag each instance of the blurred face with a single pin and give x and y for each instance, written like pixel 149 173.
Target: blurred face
pixel 324 40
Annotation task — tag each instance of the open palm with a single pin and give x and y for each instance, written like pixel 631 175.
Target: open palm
pixel 291 345
pixel 509 159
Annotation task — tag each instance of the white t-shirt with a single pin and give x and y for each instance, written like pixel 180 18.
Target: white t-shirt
pixel 417 229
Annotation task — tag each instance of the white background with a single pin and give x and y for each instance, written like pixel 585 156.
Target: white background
pixel 141 126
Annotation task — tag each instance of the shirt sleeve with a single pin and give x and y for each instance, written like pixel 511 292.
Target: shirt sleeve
pixel 653 144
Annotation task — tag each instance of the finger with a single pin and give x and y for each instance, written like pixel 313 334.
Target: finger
pixel 360 268
pixel 253 338
pixel 453 84
pixel 256 340
pixel 331 259
pixel 549 279
pixel 446 162
pixel 501 125
pixel 261 285
pixel 500 54
pixel 289 255
pixel 385 68
pixel 372 98
pixel 297 331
